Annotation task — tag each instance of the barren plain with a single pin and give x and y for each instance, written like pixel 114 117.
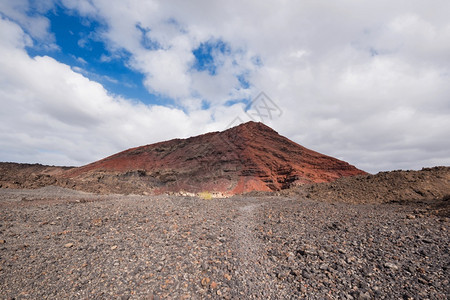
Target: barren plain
pixel 57 243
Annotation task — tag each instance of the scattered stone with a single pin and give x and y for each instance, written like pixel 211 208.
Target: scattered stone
pixel 391 266
pixel 383 254
pixel 422 280
pixel 205 281
pixel 364 296
pixel 350 259
pixel 310 252
pixel 97 222
pixel 283 274
pixel 68 245
pixel 306 274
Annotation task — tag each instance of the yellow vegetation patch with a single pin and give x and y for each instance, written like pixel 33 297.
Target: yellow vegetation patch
pixel 205 195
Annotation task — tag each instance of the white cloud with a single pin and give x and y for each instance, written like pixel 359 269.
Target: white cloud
pixel 85 7
pixel 37 26
pixel 166 72
pixel 50 114
pixel 81 60
pixel 364 81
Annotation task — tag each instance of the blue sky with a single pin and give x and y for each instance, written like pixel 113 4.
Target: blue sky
pixel 80 46
pixel 83 79
pixel 78 43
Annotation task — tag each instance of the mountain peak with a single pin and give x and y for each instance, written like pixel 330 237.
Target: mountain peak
pixel 253 126
pixel 247 157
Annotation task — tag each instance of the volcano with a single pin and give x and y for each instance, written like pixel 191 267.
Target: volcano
pixel 248 157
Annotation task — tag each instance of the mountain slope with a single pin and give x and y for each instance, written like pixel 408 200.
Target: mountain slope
pixel 248 157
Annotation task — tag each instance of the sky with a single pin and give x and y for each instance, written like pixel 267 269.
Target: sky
pixel 367 82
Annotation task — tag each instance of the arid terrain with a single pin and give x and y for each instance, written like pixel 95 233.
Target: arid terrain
pixel 248 157
pixel 240 214
pixel 305 242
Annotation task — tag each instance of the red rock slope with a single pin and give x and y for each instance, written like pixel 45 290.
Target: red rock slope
pixel 248 157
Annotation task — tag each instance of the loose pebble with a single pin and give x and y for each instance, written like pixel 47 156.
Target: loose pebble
pixel 262 247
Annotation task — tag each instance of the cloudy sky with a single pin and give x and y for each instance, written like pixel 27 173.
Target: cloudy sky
pixel 364 81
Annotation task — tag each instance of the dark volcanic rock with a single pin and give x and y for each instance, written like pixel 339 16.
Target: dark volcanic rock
pixel 64 244
pixel 248 157
pixel 14 175
pixel 394 186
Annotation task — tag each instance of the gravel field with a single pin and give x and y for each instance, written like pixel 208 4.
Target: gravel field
pixel 57 243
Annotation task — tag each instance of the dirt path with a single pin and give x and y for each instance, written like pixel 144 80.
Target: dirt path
pixel 251 272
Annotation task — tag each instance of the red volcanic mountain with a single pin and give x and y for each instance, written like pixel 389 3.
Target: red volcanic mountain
pixel 248 157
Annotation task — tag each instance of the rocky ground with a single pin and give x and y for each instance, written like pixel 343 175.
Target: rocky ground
pixel 429 187
pixel 57 243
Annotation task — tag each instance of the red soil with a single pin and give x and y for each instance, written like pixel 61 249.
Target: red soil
pixel 248 157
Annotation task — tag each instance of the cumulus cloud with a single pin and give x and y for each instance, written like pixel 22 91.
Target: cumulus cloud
pixel 37 26
pixel 51 114
pixel 366 82
pixel 162 41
